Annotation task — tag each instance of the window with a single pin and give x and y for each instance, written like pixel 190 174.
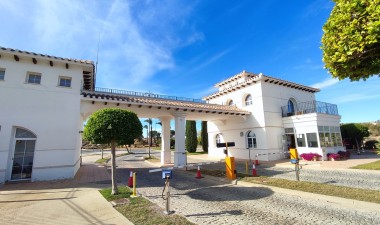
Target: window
pixel 218 138
pixel 2 74
pixel 34 78
pixel 290 106
pixel 64 82
pixel 251 140
pixel 312 141
pixel 248 100
pixel 301 140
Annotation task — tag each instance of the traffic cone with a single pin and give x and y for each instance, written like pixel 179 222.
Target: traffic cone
pixel 254 172
pixel 130 180
pixel 199 176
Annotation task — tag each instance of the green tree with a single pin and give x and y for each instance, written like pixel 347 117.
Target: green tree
pixel 204 136
pixel 114 127
pixel 355 132
pixel 191 136
pixel 351 39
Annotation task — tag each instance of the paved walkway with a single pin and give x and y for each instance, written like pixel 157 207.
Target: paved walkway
pixel 75 201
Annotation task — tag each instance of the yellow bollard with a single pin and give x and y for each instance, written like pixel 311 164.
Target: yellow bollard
pixel 134 186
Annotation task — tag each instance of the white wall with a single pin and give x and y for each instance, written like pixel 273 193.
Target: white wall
pixel 265 121
pixel 49 111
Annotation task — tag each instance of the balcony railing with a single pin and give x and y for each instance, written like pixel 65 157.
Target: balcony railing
pixel 146 94
pixel 309 107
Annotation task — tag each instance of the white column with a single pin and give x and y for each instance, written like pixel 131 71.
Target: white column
pixel 180 153
pixel 165 141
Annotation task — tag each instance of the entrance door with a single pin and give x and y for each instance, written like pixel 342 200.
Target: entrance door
pixel 23 155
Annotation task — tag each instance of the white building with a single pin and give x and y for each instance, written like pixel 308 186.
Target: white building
pixel 39 114
pixel 45 100
pixel 283 114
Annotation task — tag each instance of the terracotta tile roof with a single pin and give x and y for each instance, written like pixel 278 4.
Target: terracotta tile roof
pixel 255 78
pixel 13 51
pixel 235 77
pixel 166 103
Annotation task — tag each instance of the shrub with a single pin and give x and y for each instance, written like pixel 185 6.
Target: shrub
pixel 344 155
pixel 309 156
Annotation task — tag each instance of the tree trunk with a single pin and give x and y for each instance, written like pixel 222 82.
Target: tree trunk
pixel 115 191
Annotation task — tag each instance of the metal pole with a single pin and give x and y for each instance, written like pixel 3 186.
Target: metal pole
pixel 134 185
pixel 297 168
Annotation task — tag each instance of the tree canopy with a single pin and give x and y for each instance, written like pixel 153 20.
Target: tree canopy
pixel 191 136
pixel 355 132
pixel 107 125
pixel 115 127
pixel 351 39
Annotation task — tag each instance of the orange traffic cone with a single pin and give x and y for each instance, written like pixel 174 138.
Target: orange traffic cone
pixel 130 180
pixel 254 172
pixel 199 176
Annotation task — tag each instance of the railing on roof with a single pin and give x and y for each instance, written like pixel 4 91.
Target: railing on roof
pixel 146 94
pixel 310 107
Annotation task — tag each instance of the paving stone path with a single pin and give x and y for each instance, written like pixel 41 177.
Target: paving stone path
pixel 216 201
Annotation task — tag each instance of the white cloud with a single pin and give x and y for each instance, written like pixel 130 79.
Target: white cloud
pixel 326 83
pixel 354 97
pixel 137 38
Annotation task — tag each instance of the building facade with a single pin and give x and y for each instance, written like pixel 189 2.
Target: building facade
pixel 39 116
pixel 283 115
pixel 45 100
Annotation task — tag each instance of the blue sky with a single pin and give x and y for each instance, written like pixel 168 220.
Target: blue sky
pixel 184 47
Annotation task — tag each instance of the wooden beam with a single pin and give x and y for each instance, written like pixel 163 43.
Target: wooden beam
pixel 34 60
pixel 150 106
pixel 51 63
pixel 93 102
pixel 105 103
pixel 129 105
pixel 16 58
pixel 159 107
pixel 117 104
pixel 67 66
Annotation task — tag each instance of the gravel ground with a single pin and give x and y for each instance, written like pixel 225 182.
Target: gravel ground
pixel 365 179
pixel 214 201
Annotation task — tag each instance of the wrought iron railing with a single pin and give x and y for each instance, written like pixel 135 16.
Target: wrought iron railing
pixel 146 94
pixel 309 107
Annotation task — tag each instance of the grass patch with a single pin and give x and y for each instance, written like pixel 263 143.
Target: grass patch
pixel 102 161
pixel 311 187
pixel 368 166
pixel 106 159
pixel 141 211
pixel 197 153
pixel 124 192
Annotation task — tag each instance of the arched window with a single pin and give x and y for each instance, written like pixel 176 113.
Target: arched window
pixel 218 138
pixel 248 100
pixel 231 102
pixel 291 108
pixel 251 140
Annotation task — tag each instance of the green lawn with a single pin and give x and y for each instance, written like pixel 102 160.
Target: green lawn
pixel 368 166
pixel 141 211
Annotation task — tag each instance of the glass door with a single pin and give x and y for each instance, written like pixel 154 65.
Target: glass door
pixel 23 155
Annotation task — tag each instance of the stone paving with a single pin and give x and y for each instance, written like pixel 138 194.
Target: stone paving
pixel 217 201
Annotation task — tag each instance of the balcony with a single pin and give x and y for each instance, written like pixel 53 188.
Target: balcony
pixel 309 107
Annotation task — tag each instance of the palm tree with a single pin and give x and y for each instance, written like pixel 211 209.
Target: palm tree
pixel 149 121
